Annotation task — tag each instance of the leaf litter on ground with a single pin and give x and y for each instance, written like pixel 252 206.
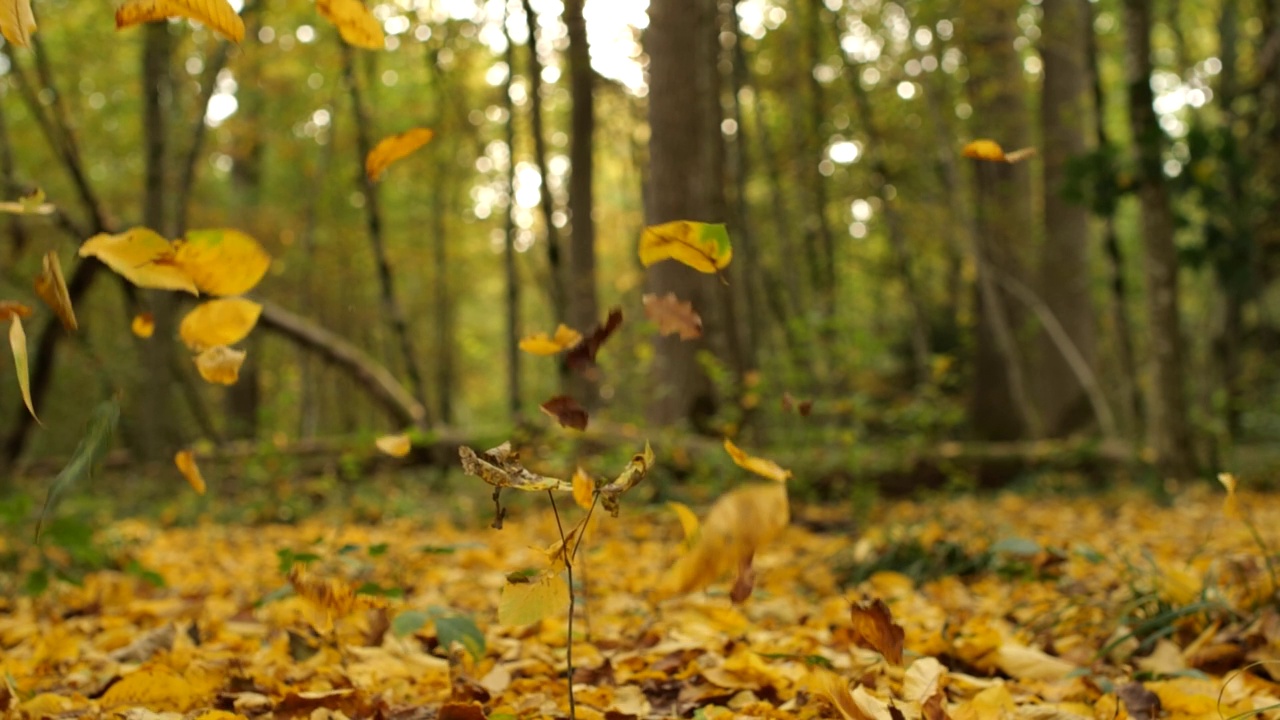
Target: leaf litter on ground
pixel 1126 610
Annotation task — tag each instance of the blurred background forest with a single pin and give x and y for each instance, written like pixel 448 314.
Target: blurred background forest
pixel 1109 298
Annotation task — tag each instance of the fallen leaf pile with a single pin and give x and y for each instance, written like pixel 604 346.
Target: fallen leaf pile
pixel 1084 609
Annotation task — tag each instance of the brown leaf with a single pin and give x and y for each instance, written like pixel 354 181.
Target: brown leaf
pixel 461 711
pixel 52 289
pixel 566 411
pixel 874 628
pixel 790 404
pixel 932 708
pixel 583 355
pixel 1141 703
pixel 672 316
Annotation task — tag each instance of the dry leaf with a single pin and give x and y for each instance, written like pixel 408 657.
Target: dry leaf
pixel 540 344
pixel 583 355
pixel 18 344
pixel 396 446
pixel 217 15
pixel 566 411
pixel 155 687
pixel 220 364
pixel 1025 663
pixel 186 462
pixel 143 325
pixel 17 22
pixel 672 316
pixel 355 23
pixel 225 321
pixel 760 466
pixel 10 309
pixel 52 289
pixel 790 404
pixel 874 628
pixel 393 148
pixel 31 203
pixel 688 521
pixel 738 525
pixel 584 489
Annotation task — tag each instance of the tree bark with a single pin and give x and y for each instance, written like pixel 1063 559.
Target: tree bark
pixel 1065 283
pixel 1170 432
pixel 509 252
pixel 583 309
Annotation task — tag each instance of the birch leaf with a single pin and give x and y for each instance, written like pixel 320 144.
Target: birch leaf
pixel 224 321
pixel 217 15
pixel 220 365
pixel 355 23
pixel 186 462
pixel 17 22
pixel 51 286
pixel 704 247
pixel 393 148
pixel 524 603
pixel 141 256
pixel 18 343
pixel 221 262
pixel 143 325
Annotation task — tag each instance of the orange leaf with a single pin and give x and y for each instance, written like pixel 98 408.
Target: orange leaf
pixel 10 309
pixel 143 325
pixel 393 148
pixel 566 411
pixel 217 15
pixel 186 462
pixel 789 404
pixel 355 23
pixel 52 289
pixel 673 316
pixel 874 628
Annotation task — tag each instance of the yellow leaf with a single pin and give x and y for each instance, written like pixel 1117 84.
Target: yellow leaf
pixel 31 203
pixel 186 462
pixel 393 148
pixel 702 246
pixel 688 520
pixel 584 489
pixel 394 445
pixel 524 603
pixel 143 325
pixel 52 289
pixel 218 322
pixel 17 22
pixel 220 364
pixel 336 596
pixel 18 343
pixel 1230 506
pixel 991 151
pixel 217 15
pixel 155 687
pixel 1024 663
pixel 541 344
pixel 356 24
pixel 221 262
pixel 737 526
pixel 759 466
pixel 140 256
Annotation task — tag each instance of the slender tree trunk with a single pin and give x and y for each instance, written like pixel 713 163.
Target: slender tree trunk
pixel 1065 113
pixel 817 183
pixel 1168 426
pixel 11 189
pixel 738 159
pixel 373 219
pixel 583 308
pixel 509 252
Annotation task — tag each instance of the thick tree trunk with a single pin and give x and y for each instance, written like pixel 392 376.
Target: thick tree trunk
pixel 1167 424
pixel 683 178
pixel 1065 119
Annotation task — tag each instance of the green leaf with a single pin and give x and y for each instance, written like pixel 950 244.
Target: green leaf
pixel 37 582
pixel 372 588
pixel 148 576
pixel 451 628
pixel 379 549
pixel 409 622
pixel 94 444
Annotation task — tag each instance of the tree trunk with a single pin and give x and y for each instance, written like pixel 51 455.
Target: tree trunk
pixel 1167 424
pixel 1000 407
pixel 1065 112
pixel 509 252
pixel 683 177
pixel 582 310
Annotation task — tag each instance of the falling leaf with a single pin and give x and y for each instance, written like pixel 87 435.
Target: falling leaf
pixel 18 343
pixel 217 15
pixel 338 598
pixel 566 411
pixel 31 203
pixel 540 344
pixel 225 321
pixel 631 475
pixel 186 462
pixel 220 364
pixel 702 246
pixel 1230 506
pixel 790 404
pixel 17 22
pixel 396 446
pixel 584 489
pixel 874 628
pixel 688 520
pixel 52 289
pixel 138 256
pixel 990 150
pixel 356 24
pixel 221 262
pixel 583 355
pixel 737 526
pixel 143 325
pixel 760 466
pixel 528 602
pixel 393 148
pixel 673 316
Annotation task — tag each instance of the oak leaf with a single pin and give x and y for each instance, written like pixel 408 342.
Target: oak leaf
pixel 220 364
pixel 354 21
pixel 874 628
pixel 186 462
pixel 51 286
pixel 393 148
pixel 566 411
pixel 704 247
pixel 673 316
pixel 217 15
pixel 225 321
pixel 17 22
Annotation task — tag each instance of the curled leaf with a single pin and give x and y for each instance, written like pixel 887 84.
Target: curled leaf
pixel 225 321
pixel 501 467
pixel 583 355
pixel 540 344
pixel 688 520
pixel 396 446
pixel 52 289
pixel 31 203
pixel 874 628
pixel 704 247
pixel 566 411
pixel 760 466
pixel 393 148
pixel 217 15
pixel 584 489
pixel 220 364
pixel 143 325
pixel 630 476
pixel 1230 506
pixel 186 462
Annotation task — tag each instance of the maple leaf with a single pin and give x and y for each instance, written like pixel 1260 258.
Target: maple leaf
pixel 393 148
pixel 673 316
pixel 52 289
pixel 186 462
pixel 874 628
pixel 702 246
pixel 17 22
pixel 566 411
pixel 217 15
pixel 354 21
pixel 583 355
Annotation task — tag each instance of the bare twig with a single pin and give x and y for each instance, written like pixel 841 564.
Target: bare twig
pixel 568 568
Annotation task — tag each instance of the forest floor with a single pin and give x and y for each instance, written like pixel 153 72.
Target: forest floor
pixel 1012 606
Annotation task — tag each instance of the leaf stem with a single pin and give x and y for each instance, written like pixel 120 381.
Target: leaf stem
pixel 568 568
